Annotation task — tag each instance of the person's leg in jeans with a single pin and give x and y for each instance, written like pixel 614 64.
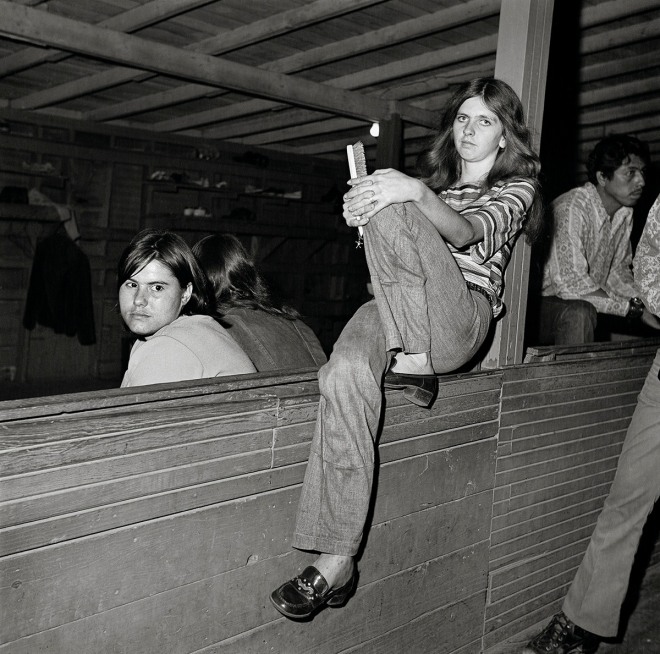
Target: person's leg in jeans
pixel 337 488
pixel 566 322
pixel 595 597
pixel 423 300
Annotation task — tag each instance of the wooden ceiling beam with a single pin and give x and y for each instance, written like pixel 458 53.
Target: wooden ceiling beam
pixel 55 31
pixel 591 16
pixel 226 42
pixel 379 74
pixel 442 19
pixel 406 30
pixel 128 21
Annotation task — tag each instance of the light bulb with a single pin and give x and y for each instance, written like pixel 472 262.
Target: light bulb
pixel 374 130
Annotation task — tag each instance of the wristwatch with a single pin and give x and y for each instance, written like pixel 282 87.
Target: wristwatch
pixel 635 308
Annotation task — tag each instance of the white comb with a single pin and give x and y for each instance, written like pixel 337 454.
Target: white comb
pixel 357 165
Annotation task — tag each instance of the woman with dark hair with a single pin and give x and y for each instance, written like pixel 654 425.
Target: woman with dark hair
pixel 272 335
pixel 437 248
pixel 164 300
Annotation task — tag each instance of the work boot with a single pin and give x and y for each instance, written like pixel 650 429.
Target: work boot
pixel 562 636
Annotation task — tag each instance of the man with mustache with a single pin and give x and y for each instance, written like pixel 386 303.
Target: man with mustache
pixel 587 276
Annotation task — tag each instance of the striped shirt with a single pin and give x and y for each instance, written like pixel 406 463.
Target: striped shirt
pixel 646 265
pixel 502 210
pixel 590 251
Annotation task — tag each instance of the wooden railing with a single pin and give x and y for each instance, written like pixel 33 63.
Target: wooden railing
pixel 158 519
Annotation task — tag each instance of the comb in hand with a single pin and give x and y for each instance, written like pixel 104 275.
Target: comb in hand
pixel 357 165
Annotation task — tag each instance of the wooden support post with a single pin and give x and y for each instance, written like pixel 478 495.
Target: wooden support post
pixel 389 153
pixel 522 61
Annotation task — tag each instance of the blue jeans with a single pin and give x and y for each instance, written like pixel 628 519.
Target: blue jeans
pixel 566 322
pixel 595 597
pixel 421 303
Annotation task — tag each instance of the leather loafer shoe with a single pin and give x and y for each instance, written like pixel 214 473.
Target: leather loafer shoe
pixel 303 595
pixel 418 389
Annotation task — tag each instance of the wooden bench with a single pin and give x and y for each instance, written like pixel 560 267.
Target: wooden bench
pixel 158 519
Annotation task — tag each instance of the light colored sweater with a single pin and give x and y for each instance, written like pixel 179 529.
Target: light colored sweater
pixel 190 347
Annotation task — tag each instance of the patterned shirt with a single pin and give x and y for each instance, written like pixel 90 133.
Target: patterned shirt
pixel 501 210
pixel 590 251
pixel 646 265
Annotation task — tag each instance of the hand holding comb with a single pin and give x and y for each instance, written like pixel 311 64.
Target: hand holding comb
pixel 357 164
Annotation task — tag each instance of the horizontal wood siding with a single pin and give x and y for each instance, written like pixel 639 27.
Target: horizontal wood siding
pixel 158 520
pixel 561 429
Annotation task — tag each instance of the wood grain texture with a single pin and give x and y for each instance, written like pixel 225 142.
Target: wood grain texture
pixel 159 520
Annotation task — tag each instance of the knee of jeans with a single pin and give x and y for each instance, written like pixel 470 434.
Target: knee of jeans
pixel 344 373
pixel 581 310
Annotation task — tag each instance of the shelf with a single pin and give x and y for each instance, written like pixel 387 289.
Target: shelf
pixel 179 223
pixel 59 179
pixel 35 213
pixel 173 187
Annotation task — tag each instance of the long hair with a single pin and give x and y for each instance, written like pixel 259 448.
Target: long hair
pixel 234 278
pixel 440 165
pixel 172 251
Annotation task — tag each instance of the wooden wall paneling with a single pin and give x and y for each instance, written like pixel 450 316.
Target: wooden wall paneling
pixel 564 423
pixel 449 526
pixel 143 560
pixel 158 519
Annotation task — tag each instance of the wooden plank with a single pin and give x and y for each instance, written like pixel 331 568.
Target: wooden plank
pixel 574 462
pixel 36 445
pixel 55 584
pixel 151 558
pixel 515 523
pixel 509 582
pixel 112 516
pixel 75 36
pixel 127 21
pixel 565 432
pixel 439 631
pixel 543 541
pixel 227 41
pixel 523 46
pixel 544 486
pixel 439 477
pixel 514 391
pixel 250 385
pixel 130 487
pixel 305 60
pixel 104 459
pixel 588 447
pixel 412 445
pixel 569 400
pixel 593 474
pixel 591 414
pixel 585 504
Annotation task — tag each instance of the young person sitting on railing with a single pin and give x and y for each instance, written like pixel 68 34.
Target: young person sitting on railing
pixel 437 248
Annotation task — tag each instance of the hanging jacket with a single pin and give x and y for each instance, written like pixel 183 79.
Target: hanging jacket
pixel 60 290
